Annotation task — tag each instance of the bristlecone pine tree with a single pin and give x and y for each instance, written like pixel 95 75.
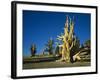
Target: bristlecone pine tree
pixel 33 50
pixel 68 42
pixel 49 46
pixel 57 50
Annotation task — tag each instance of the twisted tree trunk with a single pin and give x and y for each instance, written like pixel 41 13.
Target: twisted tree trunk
pixel 68 42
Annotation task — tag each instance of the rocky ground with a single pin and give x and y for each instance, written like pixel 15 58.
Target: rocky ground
pixel 54 64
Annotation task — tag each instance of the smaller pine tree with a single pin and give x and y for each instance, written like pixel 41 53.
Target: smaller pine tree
pixel 33 50
pixel 49 46
pixel 57 50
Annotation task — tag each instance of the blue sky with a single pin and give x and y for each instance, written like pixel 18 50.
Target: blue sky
pixel 40 26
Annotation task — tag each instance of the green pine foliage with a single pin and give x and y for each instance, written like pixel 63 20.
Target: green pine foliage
pixel 33 50
pixel 50 46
